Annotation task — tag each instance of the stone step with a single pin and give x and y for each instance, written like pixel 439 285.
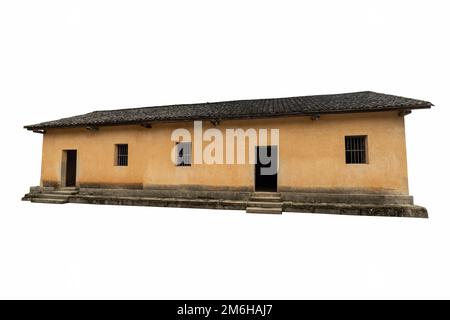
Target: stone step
pixel 65 191
pixel 265 198
pixel 266 193
pixel 51 195
pixel 265 204
pixel 48 200
pixel 264 210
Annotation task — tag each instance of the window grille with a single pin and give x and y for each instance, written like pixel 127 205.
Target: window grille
pixel 355 149
pixel 121 155
pixel 183 156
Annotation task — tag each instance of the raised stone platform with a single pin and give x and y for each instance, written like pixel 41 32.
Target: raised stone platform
pixel 344 204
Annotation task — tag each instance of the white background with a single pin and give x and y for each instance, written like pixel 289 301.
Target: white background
pixel 61 58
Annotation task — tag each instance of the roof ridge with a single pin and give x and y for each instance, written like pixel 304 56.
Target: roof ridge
pixel 229 101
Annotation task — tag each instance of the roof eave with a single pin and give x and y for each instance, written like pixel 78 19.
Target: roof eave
pixel 428 105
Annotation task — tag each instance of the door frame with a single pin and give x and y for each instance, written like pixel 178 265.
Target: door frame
pixel 64 167
pixel 256 162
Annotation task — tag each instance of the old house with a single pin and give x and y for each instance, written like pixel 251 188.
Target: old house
pixel 339 153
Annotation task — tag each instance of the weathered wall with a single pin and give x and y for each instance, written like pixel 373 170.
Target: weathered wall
pixel 312 156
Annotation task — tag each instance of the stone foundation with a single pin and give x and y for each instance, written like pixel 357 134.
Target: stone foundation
pixel 328 203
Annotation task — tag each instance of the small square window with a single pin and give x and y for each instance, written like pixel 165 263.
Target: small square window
pixel 356 149
pixel 183 155
pixel 121 155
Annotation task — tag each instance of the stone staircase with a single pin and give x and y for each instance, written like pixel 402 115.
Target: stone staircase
pixel 265 202
pixel 57 196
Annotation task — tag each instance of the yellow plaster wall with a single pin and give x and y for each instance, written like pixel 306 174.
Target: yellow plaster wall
pixel 311 155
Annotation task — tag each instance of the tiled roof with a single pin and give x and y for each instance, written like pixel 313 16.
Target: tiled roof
pixel 366 101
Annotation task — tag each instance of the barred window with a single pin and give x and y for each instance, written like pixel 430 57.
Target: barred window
pixel 356 149
pixel 183 156
pixel 121 154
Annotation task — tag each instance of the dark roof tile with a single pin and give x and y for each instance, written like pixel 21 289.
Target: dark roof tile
pixel 365 101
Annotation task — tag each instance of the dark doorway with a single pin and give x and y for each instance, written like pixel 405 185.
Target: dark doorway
pixel 71 168
pixel 266 168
